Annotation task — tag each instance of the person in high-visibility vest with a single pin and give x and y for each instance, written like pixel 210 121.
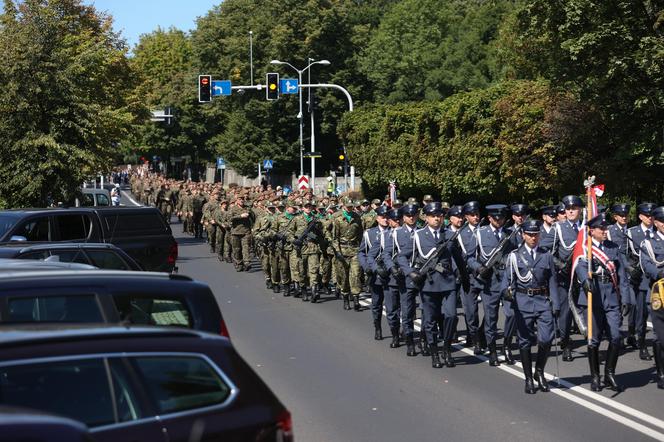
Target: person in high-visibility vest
pixel 330 186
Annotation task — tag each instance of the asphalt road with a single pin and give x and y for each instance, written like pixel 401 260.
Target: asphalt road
pixel 341 385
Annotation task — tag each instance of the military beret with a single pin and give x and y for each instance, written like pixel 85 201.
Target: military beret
pixel 394 214
pixel 497 210
pixel 427 198
pixel 455 211
pixel 645 209
pixel 531 226
pixel 471 207
pixel 571 201
pixel 598 221
pixel 375 201
pixel 382 210
pixel 410 209
pixel 519 209
pixel 433 208
pixel 658 213
pixel 620 209
pixel 549 210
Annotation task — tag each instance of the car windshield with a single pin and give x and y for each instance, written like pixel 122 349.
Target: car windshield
pixel 6 223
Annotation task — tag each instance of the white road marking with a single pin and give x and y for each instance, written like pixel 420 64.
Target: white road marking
pixel 573 398
pixel 126 193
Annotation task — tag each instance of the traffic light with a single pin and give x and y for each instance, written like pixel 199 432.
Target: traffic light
pixel 342 153
pixel 204 88
pixel 272 89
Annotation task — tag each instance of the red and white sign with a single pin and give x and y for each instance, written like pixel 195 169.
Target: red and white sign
pixel 303 182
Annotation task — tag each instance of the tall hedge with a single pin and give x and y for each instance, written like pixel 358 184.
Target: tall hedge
pixel 516 141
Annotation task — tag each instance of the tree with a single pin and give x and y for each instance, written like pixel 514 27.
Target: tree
pixel 65 100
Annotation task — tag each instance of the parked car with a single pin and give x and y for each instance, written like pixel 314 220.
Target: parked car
pixel 92 197
pixel 140 231
pixel 93 296
pixel 100 255
pixel 140 383
pixel 10 266
pixel 22 424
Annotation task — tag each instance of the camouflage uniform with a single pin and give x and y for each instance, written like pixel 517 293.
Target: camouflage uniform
pixel 306 252
pixel 283 250
pixel 241 235
pixel 262 232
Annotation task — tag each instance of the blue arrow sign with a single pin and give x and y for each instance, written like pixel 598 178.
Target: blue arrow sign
pixel 267 164
pixel 221 164
pixel 288 86
pixel 221 87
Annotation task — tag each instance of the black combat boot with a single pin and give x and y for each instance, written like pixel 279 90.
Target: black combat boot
pixel 424 347
pixel 527 363
pixel 643 350
pixel 593 362
pixel 305 294
pixel 335 291
pixel 566 347
pixel 296 290
pixel 542 356
pixel 268 284
pixel 493 355
pixel 448 359
pixel 287 290
pixel 356 303
pixel 276 288
pixel 410 345
pixel 346 302
pixel 378 330
pixel 631 338
pixel 435 356
pixel 315 290
pixel 395 337
pixel 477 349
pixel 469 340
pixel 507 350
pixel 659 364
pixel 612 354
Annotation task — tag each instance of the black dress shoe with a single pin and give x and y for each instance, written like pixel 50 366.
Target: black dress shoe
pixel 378 331
pixel 530 386
pixel 410 346
pixel 493 355
pixel 395 337
pixel 435 358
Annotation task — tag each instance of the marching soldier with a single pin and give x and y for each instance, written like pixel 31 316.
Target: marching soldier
pixel 530 280
pixel 325 258
pixel 608 284
pixel 197 203
pixel 561 213
pixel 283 248
pixel 618 230
pixel 488 279
pixel 242 219
pixel 439 288
pixel 470 289
pixel 652 263
pixel 396 285
pixel 567 232
pixel 403 243
pixel 637 318
pixel 305 234
pixel 547 233
pixel 262 232
pixel 220 219
pixel 344 240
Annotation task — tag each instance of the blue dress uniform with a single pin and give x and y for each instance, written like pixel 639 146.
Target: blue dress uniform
pixel 608 283
pixel 530 276
pixel 469 289
pixel 547 232
pixel 396 285
pixel 652 263
pixel 563 247
pixel 403 243
pixel 439 289
pixel 616 232
pixel 370 249
pixel 638 317
pixel 488 238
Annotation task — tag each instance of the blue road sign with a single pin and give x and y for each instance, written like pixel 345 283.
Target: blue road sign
pixel 221 87
pixel 221 164
pixel 288 86
pixel 267 164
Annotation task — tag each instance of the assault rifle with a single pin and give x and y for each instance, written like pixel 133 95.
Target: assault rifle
pixel 497 254
pixel 308 234
pixel 423 268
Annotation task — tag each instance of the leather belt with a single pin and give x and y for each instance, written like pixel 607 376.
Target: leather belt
pixel 539 291
pixel 604 279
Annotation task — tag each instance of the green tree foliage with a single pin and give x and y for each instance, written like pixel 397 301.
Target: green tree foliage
pixel 429 50
pixel 517 141
pixel 611 54
pixel 65 99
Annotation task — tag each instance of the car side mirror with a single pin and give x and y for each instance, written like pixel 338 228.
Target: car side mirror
pixel 18 238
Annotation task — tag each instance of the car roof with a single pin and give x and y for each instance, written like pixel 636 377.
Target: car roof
pixel 27 210
pixel 26 246
pixel 22 266
pixel 21 334
pixel 89 274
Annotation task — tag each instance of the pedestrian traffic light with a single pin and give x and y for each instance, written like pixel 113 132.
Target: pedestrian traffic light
pixel 272 89
pixel 204 88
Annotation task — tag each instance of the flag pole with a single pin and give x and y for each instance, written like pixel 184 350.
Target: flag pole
pixel 589 256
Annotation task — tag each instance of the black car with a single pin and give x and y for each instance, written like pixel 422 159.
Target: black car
pixel 21 424
pixel 139 231
pixel 100 255
pixel 140 383
pixel 95 296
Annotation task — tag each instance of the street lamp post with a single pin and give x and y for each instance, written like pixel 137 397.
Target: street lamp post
pixel 300 115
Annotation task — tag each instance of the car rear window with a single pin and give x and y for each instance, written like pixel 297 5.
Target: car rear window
pixel 135 224
pixel 73 308
pixel 148 310
pixel 181 383
pixel 78 389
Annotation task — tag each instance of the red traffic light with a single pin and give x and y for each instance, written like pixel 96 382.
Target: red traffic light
pixel 204 88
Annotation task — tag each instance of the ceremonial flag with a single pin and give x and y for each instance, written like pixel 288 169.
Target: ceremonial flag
pixel 392 192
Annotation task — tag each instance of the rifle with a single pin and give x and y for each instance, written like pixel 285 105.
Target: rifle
pixel 420 269
pixel 299 242
pixel 497 254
